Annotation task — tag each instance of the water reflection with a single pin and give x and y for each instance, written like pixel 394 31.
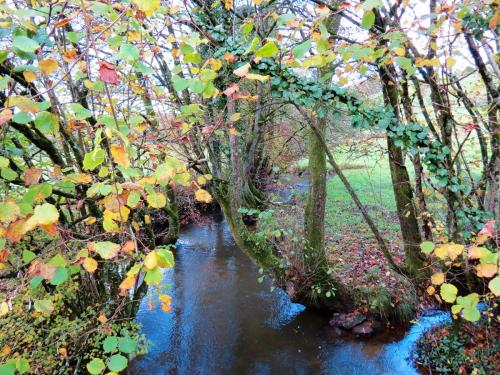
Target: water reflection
pixel 225 322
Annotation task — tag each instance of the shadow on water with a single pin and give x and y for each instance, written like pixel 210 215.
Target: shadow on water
pixel 225 322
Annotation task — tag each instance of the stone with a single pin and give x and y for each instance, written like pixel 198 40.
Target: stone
pixel 364 329
pixel 347 321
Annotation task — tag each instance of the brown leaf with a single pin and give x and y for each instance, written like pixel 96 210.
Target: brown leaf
pixel 5 116
pixel 32 176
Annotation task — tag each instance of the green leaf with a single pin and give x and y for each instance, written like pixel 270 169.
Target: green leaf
pixel 129 52
pixel 22 118
pixel 153 277
pixel 4 162
pixel 22 366
pixel 8 368
pixel 368 20
pixel 60 276
pixel 494 286
pixel 301 49
pixel 165 257
pixel 107 249
pixel 25 44
pixel 93 159
pixel 36 281
pixel 79 111
pixel 133 198
pixel 180 83
pixel 8 211
pixel 96 366
pixel 28 256
pixel 110 344
pixel 127 345
pixel 8 174
pixel 156 200
pixel 44 306
pixel 472 314
pixel 427 247
pixel 267 50
pixel 449 292
pixel 117 363
pixel 403 62
pixel 46 122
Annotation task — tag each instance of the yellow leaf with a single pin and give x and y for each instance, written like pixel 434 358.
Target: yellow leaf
pixel 127 284
pixel 257 77
pixel 90 265
pixel 29 76
pixel 147 6
pixel 450 61
pixel 90 220
pixel 235 117
pixel 147 219
pixel 431 290
pixel 5 351
pixel 120 156
pixel 24 104
pixel 400 51
pixel 342 80
pixel 437 278
pixel 4 309
pixel 203 196
pixel 48 66
pixel 228 4
pixel 151 260
pixel 102 318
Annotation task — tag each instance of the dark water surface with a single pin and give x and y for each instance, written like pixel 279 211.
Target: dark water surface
pixel 225 322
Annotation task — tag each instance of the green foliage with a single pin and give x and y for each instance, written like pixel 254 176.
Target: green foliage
pixel 444 350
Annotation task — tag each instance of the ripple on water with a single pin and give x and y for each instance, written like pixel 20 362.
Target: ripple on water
pixel 225 322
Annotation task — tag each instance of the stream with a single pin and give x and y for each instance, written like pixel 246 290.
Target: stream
pixel 225 322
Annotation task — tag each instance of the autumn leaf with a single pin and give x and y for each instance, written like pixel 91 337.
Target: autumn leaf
pixel 202 195
pixel 4 309
pixel 486 270
pixel 120 156
pixel 108 74
pixel 242 71
pixel 127 284
pixel 48 66
pixel 5 116
pixel 128 247
pixel 151 260
pixel 147 6
pixel 32 176
pixel 29 76
pixel 46 214
pixel 90 264
pixel 16 230
pixel 70 55
pixel 437 278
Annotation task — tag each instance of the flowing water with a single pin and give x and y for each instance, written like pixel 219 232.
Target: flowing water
pixel 225 322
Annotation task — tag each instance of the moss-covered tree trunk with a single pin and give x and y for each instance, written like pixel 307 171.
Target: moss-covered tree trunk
pixel 314 215
pixel 402 188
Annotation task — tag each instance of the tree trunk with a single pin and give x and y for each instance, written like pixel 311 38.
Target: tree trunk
pixel 403 191
pixel 314 215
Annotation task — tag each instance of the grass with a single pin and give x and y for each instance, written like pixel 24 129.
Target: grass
pixel 374 188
